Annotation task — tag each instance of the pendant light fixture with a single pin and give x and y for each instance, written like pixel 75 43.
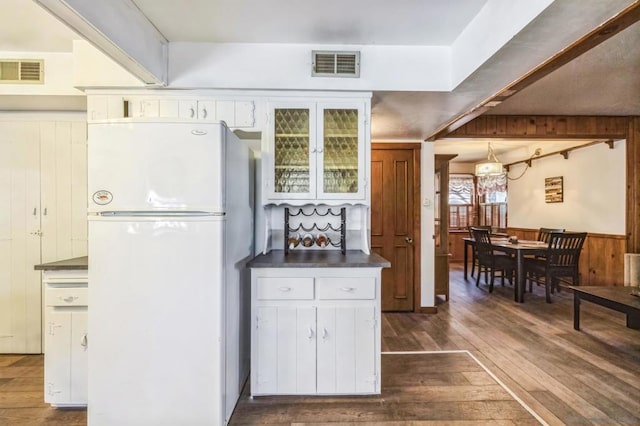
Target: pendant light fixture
pixel 491 167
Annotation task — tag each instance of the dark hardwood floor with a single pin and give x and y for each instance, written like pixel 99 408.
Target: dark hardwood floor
pixel 591 376
pixel 22 395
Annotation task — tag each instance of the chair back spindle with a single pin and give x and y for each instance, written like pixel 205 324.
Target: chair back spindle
pixel 544 234
pixel 564 250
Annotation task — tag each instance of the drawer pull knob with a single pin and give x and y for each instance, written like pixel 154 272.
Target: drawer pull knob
pixel 284 289
pixel 68 299
pixel 347 289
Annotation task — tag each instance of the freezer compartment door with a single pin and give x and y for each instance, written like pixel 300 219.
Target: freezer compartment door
pixel 156 321
pixel 156 167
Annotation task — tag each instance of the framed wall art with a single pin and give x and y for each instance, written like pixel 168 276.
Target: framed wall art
pixel 553 189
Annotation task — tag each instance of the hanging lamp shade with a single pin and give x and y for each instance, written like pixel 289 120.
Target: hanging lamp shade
pixel 491 167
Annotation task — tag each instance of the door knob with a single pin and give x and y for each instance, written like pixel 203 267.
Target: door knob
pixel 409 240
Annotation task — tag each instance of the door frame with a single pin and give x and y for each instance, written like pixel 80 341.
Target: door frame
pixel 416 149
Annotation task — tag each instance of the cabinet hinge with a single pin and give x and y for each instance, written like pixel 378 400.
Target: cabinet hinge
pixel 260 321
pixel 50 390
pixel 52 328
pixel 373 380
pixel 374 322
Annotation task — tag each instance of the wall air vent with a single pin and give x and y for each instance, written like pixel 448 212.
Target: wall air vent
pixel 22 71
pixel 335 64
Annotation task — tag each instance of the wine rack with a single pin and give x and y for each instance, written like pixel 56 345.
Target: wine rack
pixel 341 230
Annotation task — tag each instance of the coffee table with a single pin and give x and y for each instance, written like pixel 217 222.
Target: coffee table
pixel 617 298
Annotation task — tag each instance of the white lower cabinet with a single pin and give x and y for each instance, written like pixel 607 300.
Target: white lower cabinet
pixel 315 331
pixel 65 338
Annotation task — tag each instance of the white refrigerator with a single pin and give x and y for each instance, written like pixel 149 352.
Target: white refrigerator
pixel 170 228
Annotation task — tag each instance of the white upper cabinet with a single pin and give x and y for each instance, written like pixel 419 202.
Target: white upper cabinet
pixel 316 151
pixel 236 113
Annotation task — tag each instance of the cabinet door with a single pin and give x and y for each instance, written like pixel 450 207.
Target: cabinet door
pixel 188 109
pixel 168 108
pixel 57 361
pixel 341 153
pixel 63 189
pixel 292 153
pixel 20 303
pixel 347 349
pixel 286 340
pixel 79 345
pixel 206 110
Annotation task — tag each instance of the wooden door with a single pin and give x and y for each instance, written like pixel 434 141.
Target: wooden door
pixel 441 225
pixel 395 221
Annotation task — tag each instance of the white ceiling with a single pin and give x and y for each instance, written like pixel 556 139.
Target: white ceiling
pixel 26 27
pixel 406 22
pixel 603 81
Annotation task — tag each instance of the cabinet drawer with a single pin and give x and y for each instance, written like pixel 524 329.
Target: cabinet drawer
pixel 66 296
pixel 285 288
pixel 346 288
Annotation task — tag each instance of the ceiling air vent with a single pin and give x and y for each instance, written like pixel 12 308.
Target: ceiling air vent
pixel 336 64
pixel 21 71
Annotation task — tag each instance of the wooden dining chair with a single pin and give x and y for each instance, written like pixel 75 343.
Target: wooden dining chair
pixel 474 252
pixel 560 263
pixel 489 261
pixel 544 234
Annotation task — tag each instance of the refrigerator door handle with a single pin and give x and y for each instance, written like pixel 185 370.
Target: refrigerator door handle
pixel 159 213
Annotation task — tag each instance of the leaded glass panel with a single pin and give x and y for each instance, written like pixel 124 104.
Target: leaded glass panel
pixel 340 151
pixel 291 150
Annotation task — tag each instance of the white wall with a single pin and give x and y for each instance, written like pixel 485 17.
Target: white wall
pixel 92 68
pixel 594 192
pixel 490 30
pixel 58 75
pixel 288 66
pixel 427 248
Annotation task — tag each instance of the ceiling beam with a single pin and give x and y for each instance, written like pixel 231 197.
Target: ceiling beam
pixel 608 29
pixel 120 30
pixel 543 127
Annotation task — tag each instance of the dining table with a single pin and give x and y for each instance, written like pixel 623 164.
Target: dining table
pixel 519 249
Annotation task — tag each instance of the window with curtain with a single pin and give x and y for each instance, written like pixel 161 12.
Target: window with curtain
pixel 461 201
pixel 492 196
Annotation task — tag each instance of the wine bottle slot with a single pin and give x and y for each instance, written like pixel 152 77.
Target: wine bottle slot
pixel 293 240
pixel 307 240
pixel 322 240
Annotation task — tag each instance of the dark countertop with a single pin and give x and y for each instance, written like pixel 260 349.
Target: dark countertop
pixel 62 265
pixel 318 259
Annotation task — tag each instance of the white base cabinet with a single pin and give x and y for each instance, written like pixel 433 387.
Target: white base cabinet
pixel 65 338
pixel 315 331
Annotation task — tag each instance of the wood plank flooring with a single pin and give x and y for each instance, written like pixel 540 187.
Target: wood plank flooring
pixel 444 387
pixel 22 395
pixel 591 376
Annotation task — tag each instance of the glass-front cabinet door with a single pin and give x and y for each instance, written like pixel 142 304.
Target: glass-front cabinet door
pixel 293 161
pixel 316 152
pixel 340 152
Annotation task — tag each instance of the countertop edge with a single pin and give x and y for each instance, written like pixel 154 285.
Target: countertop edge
pixel 318 259
pixel 76 263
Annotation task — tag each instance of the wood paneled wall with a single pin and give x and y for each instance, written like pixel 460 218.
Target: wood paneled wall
pixel 517 126
pixel 601 260
pixel 633 185
pixel 579 127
